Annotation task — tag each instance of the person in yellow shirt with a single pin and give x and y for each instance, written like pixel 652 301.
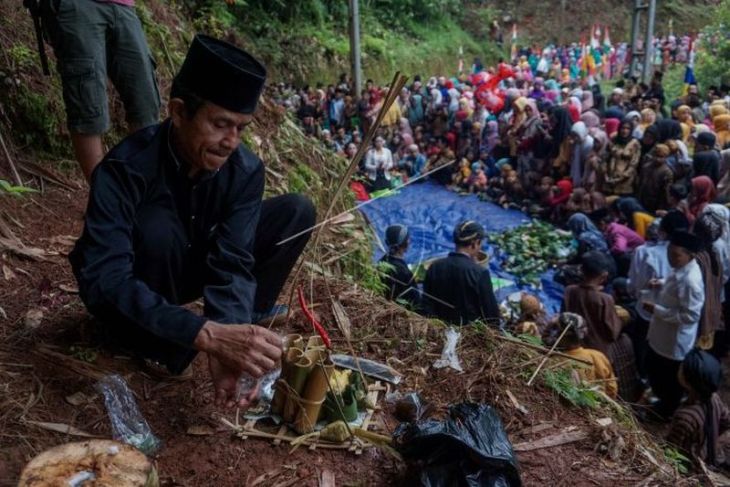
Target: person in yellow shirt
pixel 600 371
pixel 392 117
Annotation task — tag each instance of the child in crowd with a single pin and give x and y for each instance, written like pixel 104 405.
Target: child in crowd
pixel 604 326
pixel 462 177
pixel 478 181
pixel 599 373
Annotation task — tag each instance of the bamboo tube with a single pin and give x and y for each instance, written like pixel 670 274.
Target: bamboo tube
pixel 313 396
pixel 307 416
pixel 295 386
pixel 316 355
pixel 315 341
pixel 293 340
pixel 293 355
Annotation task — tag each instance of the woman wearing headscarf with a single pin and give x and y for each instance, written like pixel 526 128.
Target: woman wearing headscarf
pixel 709 227
pixel 722 130
pixel 648 118
pixel 582 148
pixel 574 108
pixel 697 426
pixel 519 116
pixel 722 248
pixel 684 115
pixel 591 119
pixel 718 108
pixel 612 126
pixel 589 238
pixel 586 101
pixel 633 214
pixel 623 162
pixel 529 140
pixel 436 105
pixel 560 126
pixel 702 194
pixel 490 136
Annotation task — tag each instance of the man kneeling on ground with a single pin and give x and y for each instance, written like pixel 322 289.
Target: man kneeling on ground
pixel 175 212
pixel 457 289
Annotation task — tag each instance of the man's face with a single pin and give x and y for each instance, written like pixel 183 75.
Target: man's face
pixel 678 257
pixel 208 139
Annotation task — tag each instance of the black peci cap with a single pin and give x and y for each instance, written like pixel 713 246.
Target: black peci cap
pixel 686 240
pixel 468 231
pixel 221 73
pixel 396 235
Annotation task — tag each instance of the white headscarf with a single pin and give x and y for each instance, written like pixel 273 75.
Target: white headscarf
pixel 722 244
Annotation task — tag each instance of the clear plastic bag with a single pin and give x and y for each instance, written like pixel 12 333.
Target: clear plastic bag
pixel 262 389
pixel 448 354
pixel 407 407
pixel 128 424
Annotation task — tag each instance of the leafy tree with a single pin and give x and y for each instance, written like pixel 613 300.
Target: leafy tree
pixel 713 57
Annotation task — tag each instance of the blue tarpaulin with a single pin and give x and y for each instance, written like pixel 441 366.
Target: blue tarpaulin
pixel 431 212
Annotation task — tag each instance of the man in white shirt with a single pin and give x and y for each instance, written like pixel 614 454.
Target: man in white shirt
pixel 674 321
pixel 648 265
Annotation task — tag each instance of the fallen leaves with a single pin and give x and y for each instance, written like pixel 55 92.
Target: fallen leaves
pixel 33 318
pixel 79 399
pixel 8 273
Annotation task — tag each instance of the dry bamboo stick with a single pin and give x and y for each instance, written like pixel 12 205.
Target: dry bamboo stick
pixel 552 349
pixel 11 164
pixel 542 349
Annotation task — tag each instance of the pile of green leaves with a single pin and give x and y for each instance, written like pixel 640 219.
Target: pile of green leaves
pixel 561 381
pixel 529 250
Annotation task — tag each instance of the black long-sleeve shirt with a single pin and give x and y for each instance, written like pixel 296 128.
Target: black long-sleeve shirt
pixel 400 281
pixel 216 211
pixel 459 291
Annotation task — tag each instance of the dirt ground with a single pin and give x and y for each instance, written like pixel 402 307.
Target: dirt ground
pixel 34 387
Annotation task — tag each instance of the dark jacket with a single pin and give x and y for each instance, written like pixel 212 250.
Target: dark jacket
pixel 217 212
pixel 399 280
pixel 459 291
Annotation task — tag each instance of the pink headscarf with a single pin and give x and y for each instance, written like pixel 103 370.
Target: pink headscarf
pixel 587 100
pixel 591 120
pixel 533 105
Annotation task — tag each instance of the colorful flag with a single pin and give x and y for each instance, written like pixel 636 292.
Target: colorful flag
pixel 689 71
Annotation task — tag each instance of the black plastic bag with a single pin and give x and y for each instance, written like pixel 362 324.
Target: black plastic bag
pixel 470 449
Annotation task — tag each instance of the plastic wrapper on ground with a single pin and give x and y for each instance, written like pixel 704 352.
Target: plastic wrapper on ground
pixel 369 368
pixel 128 424
pixel 470 449
pixel 448 354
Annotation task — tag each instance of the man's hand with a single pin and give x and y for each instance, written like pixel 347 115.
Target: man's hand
pixel 225 386
pixel 648 307
pixel 242 349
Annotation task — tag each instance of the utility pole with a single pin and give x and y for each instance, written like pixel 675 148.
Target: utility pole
pixel 649 51
pixel 642 59
pixel 355 61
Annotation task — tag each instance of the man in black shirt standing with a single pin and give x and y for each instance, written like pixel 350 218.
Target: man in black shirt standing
pixel 175 212
pixel 457 289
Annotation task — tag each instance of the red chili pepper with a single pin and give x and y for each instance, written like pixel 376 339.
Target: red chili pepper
pixel 317 327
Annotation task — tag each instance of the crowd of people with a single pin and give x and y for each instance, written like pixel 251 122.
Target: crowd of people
pixel 640 179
